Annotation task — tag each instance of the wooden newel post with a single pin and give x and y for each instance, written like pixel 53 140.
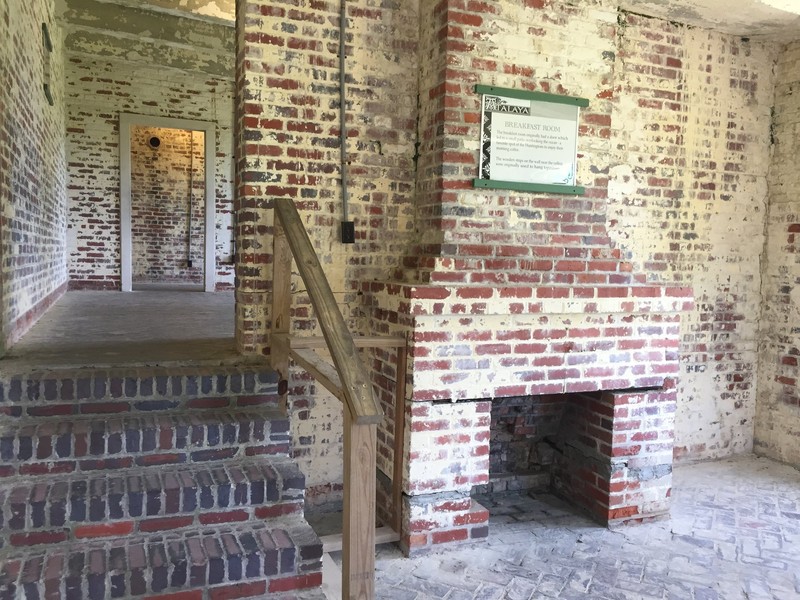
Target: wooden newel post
pixel 358 535
pixel 281 304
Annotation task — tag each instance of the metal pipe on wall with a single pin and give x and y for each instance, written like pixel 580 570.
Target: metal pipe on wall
pixel 191 201
pixel 348 226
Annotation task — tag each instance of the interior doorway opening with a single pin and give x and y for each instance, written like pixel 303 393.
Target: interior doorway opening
pixel 167 203
pixel 167 208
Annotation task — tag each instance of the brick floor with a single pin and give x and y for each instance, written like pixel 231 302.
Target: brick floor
pixel 734 534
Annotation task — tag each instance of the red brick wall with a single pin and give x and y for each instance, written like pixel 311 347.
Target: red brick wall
pixel 288 141
pixel 165 181
pixel 32 167
pixel 513 294
pixel 662 98
pixel 97 91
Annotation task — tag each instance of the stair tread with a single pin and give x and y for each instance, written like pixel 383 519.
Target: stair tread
pixel 46 446
pixel 158 562
pixel 10 369
pixel 300 532
pixel 89 385
pixel 138 493
pixel 59 425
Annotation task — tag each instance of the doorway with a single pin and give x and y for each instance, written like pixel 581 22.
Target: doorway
pixel 167 203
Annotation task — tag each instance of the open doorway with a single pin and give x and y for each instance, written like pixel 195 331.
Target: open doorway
pixel 167 207
pixel 167 203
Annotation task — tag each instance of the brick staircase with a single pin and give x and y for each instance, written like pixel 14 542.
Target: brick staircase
pixel 150 482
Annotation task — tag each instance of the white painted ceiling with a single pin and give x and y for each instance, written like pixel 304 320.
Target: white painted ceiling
pixel 778 20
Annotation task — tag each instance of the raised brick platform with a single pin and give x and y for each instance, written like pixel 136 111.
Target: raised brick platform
pixel 152 483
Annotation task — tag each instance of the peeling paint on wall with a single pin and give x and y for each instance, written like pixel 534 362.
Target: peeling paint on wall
pixel 136 35
pixel 98 91
pixel 777 432
pixel 33 174
pixel 222 10
pixel 687 202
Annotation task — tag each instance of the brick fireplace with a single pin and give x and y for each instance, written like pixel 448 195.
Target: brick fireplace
pixel 608 452
pixel 501 294
pixel 593 380
pixel 525 296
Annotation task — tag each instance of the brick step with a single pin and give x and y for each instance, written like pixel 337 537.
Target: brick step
pixel 52 510
pixel 252 560
pixel 35 446
pixel 136 390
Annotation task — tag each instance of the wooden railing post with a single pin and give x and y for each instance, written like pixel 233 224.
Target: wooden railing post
pixel 347 378
pixel 358 533
pixel 281 305
pixel 399 438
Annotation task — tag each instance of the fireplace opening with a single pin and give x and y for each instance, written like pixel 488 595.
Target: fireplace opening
pixel 607 452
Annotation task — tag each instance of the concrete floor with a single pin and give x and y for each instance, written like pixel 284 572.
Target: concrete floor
pixel 734 534
pixel 130 328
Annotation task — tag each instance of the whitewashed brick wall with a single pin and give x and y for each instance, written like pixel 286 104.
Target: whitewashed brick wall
pixel 98 91
pixel 167 206
pixel 32 166
pixel 687 203
pixel 777 431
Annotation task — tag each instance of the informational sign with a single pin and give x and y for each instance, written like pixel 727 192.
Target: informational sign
pixel 529 140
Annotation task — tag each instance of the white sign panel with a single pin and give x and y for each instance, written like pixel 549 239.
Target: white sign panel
pixel 528 141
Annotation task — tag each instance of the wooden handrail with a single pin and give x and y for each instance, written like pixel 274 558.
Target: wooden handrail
pixel 356 385
pixel 347 379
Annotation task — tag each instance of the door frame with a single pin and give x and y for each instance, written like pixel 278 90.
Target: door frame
pixel 128 120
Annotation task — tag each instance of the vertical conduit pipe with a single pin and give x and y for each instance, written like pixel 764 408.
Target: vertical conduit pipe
pixel 348 226
pixel 191 200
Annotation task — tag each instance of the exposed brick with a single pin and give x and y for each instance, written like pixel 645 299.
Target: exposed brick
pixel 223 517
pixel 92 265
pixel 453 535
pixel 240 590
pixel 39 537
pixel 297 582
pixel 165 523
pixel 188 595
pixel 104 530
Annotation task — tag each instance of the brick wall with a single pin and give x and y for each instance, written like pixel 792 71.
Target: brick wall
pixel 167 205
pixel 523 431
pixel 98 90
pixel 288 142
pixel 32 167
pixel 687 203
pixel 649 279
pixel 777 431
pixel 614 454
pixel 514 294
pixel 287 145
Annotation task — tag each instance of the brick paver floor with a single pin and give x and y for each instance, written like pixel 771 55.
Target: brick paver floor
pixel 734 534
